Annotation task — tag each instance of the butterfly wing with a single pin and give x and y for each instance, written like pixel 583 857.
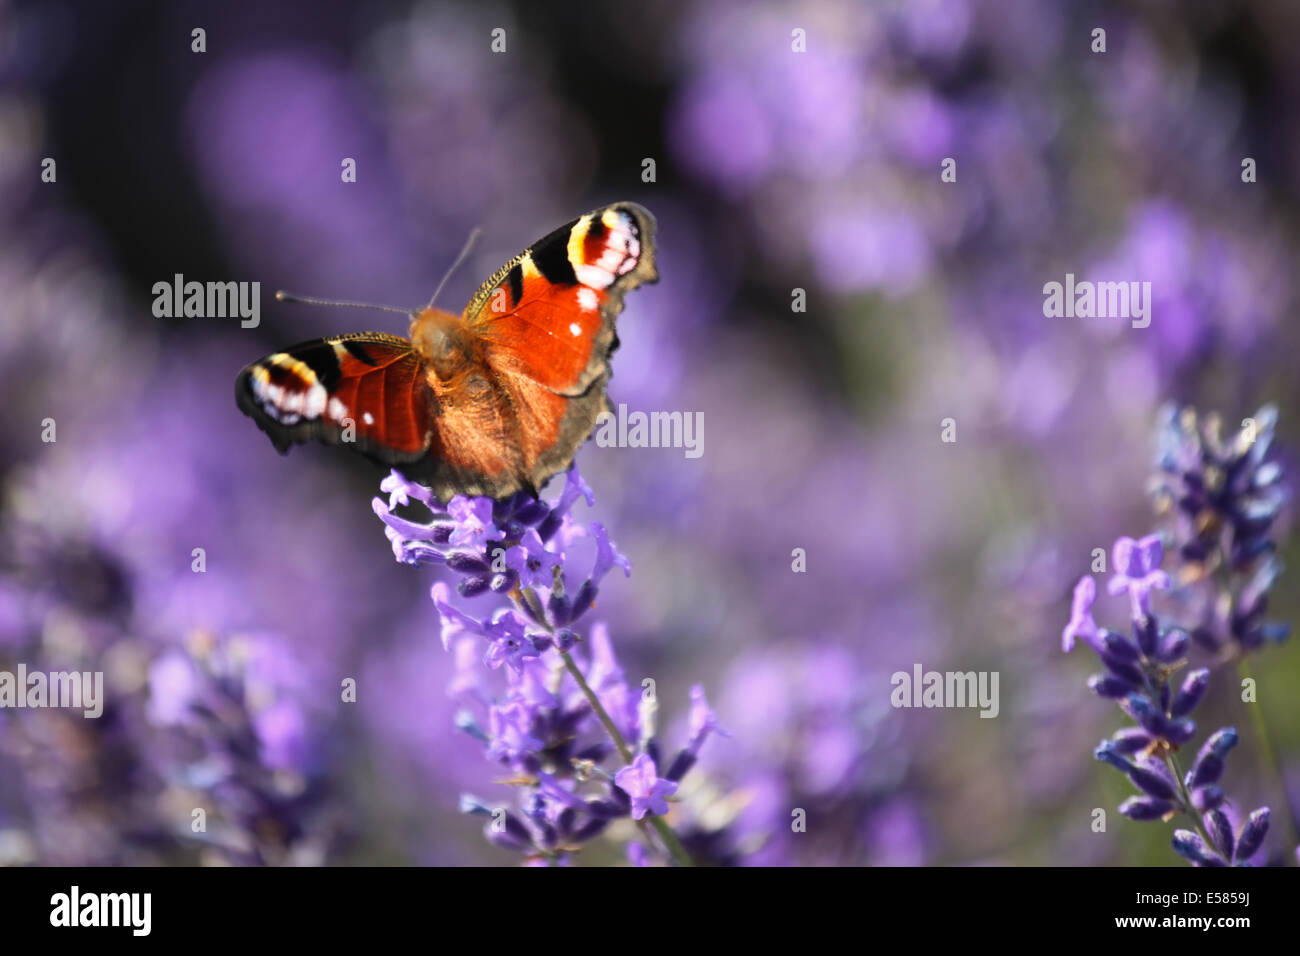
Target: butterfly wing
pixel 545 321
pixel 367 389
pixel 548 314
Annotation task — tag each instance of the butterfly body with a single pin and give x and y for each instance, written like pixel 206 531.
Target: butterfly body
pixel 492 401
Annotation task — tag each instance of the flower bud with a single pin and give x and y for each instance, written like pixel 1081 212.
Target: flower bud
pixel 1252 834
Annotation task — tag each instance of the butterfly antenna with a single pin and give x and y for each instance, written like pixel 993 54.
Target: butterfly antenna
pixel 469 244
pixel 282 296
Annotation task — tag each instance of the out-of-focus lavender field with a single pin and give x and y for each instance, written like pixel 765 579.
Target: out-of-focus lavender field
pixel 782 177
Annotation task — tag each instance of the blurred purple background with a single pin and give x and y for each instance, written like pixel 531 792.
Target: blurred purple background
pixel 775 171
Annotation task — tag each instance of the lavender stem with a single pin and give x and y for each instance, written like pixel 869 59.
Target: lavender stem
pixel 674 845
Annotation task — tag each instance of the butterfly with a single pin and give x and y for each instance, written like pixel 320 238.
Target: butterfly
pixel 490 402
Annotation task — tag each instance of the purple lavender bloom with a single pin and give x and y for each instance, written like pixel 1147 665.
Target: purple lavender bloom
pixel 174 683
pixel 530 559
pixel 232 733
pixel 1154 777
pixel 282 735
pixel 1137 571
pixel 1208 798
pixel 1135 668
pixel 510 640
pixel 1108 752
pixel 75 791
pixel 1192 847
pixel 1251 835
pixel 1220 846
pixel 561 705
pixel 1190 694
pixel 1173 645
pixel 1129 740
pixel 1147 808
pixel 703 721
pixel 839 751
pixel 217 725
pixel 1081 622
pixel 472 525
pixel 492 545
pixel 1209 764
pixel 640 780
pixel 1138 679
pixel 511 732
pixel 1219 831
pixel 1220 497
pixel 607 556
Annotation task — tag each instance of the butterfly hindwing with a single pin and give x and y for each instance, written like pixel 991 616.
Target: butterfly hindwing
pixel 368 389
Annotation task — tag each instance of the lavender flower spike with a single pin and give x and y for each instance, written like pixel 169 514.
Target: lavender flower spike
pixel 1220 498
pixel 1138 674
pixel 549 707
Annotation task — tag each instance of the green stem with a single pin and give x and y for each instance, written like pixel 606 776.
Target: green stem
pixel 1270 758
pixel 661 826
pixel 1186 799
pixel 674 845
pixel 608 722
pixel 666 834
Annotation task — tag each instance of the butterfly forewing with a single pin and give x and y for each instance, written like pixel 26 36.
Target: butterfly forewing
pixel 549 313
pixel 367 388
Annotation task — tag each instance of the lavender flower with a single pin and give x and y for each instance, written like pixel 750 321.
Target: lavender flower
pixel 1138 573
pixel 1220 847
pixel 640 780
pixel 1081 623
pixel 550 706
pixel 235 743
pixel 1138 676
pixel 1221 498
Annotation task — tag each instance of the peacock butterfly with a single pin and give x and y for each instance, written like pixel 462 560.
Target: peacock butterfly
pixel 489 402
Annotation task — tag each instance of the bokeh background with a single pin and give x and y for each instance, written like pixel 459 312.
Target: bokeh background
pixel 775 171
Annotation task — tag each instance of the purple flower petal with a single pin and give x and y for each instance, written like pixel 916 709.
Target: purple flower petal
pixel 641 782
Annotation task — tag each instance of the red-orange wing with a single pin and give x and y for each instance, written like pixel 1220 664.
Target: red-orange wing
pixel 368 390
pixel 545 322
